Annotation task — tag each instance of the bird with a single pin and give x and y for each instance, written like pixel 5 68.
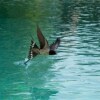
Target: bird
pixel 44 48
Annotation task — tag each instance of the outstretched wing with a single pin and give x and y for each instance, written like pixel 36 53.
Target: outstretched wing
pixel 55 45
pixel 33 51
pixel 43 42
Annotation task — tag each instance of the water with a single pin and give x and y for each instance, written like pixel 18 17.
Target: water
pixel 72 74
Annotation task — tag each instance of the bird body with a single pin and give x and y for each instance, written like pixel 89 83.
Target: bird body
pixel 44 48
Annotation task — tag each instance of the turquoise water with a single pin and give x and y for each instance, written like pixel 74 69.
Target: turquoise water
pixel 72 74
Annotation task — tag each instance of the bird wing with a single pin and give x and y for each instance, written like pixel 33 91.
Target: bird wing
pixel 33 51
pixel 55 45
pixel 42 40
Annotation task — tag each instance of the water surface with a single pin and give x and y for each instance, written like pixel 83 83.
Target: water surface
pixel 72 74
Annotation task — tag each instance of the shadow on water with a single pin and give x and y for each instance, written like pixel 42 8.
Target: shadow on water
pixel 71 74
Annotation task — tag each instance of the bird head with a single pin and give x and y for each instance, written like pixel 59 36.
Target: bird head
pixel 52 52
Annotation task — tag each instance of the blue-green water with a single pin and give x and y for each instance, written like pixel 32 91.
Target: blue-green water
pixel 72 74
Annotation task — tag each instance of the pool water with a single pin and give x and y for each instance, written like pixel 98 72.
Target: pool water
pixel 72 74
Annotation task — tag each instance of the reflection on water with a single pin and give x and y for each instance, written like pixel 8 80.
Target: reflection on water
pixel 73 73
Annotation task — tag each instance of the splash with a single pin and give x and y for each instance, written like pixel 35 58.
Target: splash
pixel 23 63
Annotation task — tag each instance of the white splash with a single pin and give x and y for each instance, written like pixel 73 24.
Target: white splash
pixel 23 63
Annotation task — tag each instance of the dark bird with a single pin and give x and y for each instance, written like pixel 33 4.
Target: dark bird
pixel 44 46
